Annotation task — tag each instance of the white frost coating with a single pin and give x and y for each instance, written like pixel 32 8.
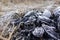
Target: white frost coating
pixel 46 13
pixel 57 11
pixel 7 16
pixel 28 13
pixel 4 19
pixel 58 19
pixel 38 32
pixel 43 18
pixel 39 14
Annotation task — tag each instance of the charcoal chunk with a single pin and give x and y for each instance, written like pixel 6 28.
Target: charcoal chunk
pixel 44 19
pixel 38 32
pixel 58 23
pixel 50 31
pixel 47 13
pixel 57 11
pixel 30 13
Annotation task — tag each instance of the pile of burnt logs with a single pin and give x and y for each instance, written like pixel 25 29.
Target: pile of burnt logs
pixel 36 25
